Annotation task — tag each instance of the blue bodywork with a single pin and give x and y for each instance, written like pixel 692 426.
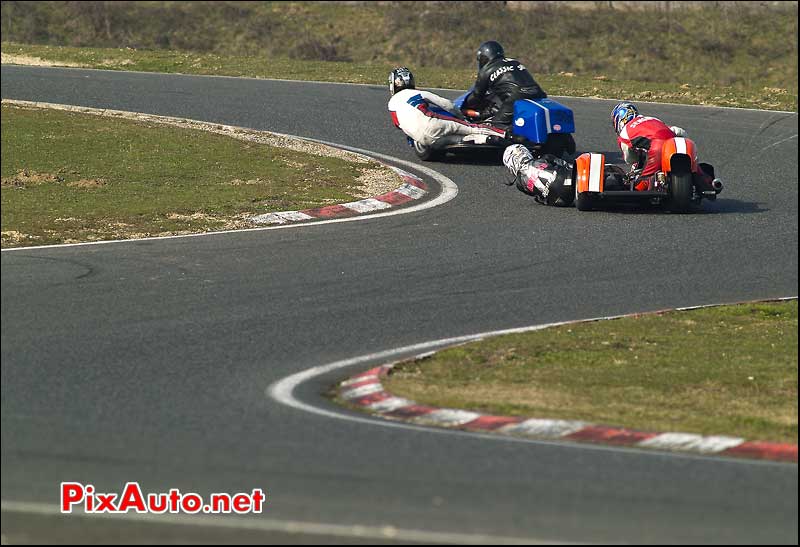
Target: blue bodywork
pixel 535 119
pixel 459 102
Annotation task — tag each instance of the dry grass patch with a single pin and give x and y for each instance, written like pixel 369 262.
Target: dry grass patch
pixel 24 178
pixel 87 183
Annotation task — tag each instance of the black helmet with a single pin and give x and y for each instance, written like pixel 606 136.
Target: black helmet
pixel 488 51
pixel 400 79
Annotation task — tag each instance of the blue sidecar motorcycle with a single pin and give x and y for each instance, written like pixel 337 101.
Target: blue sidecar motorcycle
pixel 543 126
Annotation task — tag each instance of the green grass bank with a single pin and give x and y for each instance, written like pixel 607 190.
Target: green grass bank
pixel 71 177
pixel 729 370
pixel 743 54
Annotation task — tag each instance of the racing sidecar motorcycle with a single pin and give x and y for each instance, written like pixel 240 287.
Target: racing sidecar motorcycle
pixel 678 185
pixel 543 126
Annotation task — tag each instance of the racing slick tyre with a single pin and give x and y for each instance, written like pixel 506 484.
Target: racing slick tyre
pixel 584 201
pixel 426 153
pixel 681 193
pixel 565 201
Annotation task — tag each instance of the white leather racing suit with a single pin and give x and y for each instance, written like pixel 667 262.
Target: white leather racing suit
pixel 426 117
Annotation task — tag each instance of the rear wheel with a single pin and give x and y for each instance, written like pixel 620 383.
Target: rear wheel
pixel 584 201
pixel 681 193
pixel 426 153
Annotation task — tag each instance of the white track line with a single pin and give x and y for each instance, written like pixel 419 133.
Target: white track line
pixel 257 524
pixel 449 190
pixel 283 391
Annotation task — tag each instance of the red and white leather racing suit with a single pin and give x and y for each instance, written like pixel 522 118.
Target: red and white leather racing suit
pixel 426 117
pixel 645 135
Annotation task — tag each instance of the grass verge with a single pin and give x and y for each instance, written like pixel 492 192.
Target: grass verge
pixel 565 83
pixel 71 177
pixel 728 370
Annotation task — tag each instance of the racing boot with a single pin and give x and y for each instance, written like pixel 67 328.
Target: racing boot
pixel 506 136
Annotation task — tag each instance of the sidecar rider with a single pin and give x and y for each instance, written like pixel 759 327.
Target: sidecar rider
pixel 500 82
pixel 543 177
pixel 641 138
pixel 426 117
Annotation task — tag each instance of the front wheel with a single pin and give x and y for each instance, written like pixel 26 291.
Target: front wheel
pixel 681 193
pixel 566 200
pixel 426 153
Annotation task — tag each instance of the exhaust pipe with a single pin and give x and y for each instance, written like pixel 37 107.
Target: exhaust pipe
pixel 716 184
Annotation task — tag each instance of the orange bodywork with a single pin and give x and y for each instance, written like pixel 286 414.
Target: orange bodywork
pixel 678 145
pixel 587 180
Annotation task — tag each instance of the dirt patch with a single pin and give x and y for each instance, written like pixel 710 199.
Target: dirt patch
pixel 194 216
pixel 25 178
pixel 281 141
pixel 15 237
pixel 109 229
pixel 9 59
pixel 117 62
pixel 295 164
pixel 29 178
pixel 224 222
pixel 374 182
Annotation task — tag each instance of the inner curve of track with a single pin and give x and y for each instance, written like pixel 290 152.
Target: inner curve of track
pixel 148 360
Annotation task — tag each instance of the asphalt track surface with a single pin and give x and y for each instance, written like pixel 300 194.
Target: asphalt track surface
pixel 149 360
